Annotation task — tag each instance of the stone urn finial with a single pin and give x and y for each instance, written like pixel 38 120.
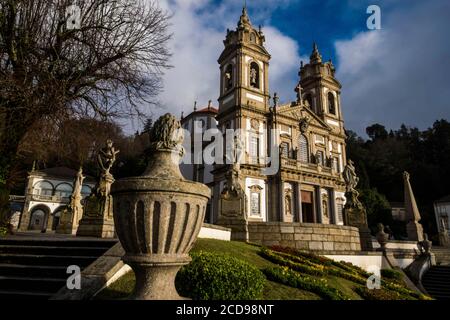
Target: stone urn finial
pixel 382 237
pixel 158 215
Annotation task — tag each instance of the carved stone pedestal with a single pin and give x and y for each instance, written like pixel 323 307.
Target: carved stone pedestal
pixel 356 216
pixel 98 220
pixel 68 223
pixel 232 212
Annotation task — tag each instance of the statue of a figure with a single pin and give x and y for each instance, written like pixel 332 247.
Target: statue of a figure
pixel 107 157
pixel 78 184
pixel 75 199
pixel 228 81
pixel 350 177
pixel 299 89
pixel 253 76
pixel 287 204
pixel 424 245
pixel 237 152
pixel 325 208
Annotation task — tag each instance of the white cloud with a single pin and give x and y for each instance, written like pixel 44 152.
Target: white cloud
pixel 199 29
pixel 398 74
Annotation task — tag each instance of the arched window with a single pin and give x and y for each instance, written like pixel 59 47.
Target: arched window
pixel 331 103
pixel 228 77
pixel 252 37
pixel 303 149
pixel 63 190
pixel 85 190
pixel 285 150
pixel 43 188
pixel 254 75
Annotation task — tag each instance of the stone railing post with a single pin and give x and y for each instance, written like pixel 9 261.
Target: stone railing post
pixel 158 215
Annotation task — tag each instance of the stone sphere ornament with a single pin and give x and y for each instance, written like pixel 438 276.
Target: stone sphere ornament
pixel 158 215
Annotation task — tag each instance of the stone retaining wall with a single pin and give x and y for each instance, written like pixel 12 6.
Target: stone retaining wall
pixel 306 236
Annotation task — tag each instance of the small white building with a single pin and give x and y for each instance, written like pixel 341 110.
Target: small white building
pixel 196 123
pixel 442 213
pixel 47 193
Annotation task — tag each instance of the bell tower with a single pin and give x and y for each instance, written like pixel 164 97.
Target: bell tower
pixel 244 65
pixel 321 90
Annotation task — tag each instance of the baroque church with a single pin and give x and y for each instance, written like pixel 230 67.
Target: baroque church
pixel 309 185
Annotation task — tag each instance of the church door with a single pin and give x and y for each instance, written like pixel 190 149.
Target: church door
pixel 307 207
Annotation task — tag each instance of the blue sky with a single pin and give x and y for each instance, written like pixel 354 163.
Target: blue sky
pixel 399 74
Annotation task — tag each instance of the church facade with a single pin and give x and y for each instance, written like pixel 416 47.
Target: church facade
pixel 309 136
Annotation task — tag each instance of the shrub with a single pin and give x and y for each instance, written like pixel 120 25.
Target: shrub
pixel 391 274
pixel 213 276
pixel 287 261
pixel 3 231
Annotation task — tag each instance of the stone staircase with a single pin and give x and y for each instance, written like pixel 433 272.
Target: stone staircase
pixel 35 267
pixel 437 282
pixel 442 255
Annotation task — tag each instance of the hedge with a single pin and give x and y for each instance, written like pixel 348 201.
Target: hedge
pixel 293 279
pixel 212 276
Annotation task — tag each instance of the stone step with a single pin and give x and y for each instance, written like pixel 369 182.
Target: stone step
pixel 53 250
pixel 17 294
pixel 35 268
pixel 31 284
pixel 51 260
pixel 105 243
pixel 437 286
pixel 437 282
pixel 58 272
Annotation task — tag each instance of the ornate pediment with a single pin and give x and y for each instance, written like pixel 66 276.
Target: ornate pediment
pixel 299 113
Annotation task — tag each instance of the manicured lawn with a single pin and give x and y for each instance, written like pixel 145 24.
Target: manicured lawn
pixel 122 288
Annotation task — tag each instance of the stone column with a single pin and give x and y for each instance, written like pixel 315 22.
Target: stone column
pixel 26 214
pixel 299 201
pixel 318 196
pixel 158 215
pixel 282 210
pixel 332 204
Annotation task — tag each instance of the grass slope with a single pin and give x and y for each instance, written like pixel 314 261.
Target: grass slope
pixel 249 253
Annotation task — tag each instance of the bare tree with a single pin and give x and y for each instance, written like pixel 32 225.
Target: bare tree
pixel 51 68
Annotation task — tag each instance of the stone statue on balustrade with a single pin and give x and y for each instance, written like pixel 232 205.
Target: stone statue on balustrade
pixel 424 245
pixel 233 201
pixel 354 212
pixel 70 217
pixel 97 218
